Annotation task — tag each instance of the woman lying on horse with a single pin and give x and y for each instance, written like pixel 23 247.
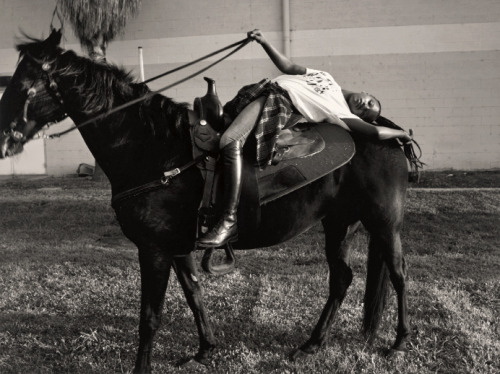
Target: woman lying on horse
pixel 264 108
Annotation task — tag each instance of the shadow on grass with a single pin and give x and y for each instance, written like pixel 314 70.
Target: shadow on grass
pixel 48 343
pixel 107 344
pixel 439 339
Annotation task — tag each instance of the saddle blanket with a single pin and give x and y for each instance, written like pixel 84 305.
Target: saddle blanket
pixel 289 175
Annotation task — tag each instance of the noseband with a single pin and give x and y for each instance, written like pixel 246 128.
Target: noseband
pixel 51 93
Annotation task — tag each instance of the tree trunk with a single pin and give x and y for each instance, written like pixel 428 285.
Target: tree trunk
pixel 97 51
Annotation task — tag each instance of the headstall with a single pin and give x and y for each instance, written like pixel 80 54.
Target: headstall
pixel 52 90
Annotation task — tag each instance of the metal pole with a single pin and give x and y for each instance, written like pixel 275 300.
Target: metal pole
pixel 286 27
pixel 141 65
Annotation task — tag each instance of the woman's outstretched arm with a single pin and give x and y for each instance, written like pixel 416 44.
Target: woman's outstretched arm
pixel 281 61
pixel 377 132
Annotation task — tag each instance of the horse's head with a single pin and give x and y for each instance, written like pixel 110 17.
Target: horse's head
pixel 31 99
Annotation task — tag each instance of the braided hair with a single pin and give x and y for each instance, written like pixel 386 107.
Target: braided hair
pixel 408 149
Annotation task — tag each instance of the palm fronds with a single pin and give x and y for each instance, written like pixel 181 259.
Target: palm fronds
pixel 97 22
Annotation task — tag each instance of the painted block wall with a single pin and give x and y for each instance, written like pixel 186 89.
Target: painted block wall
pixel 64 155
pixel 435 65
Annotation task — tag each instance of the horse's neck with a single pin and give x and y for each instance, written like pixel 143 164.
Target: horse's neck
pixel 128 152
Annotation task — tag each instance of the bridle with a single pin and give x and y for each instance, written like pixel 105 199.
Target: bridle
pixel 12 133
pixel 49 91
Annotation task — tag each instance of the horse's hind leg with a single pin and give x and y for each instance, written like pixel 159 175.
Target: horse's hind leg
pixel 386 249
pixel 185 269
pixel 338 236
pixel 155 273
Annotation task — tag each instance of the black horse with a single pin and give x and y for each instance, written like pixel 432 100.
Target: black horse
pixel 135 146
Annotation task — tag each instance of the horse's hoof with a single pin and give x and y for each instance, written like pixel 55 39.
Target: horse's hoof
pixel 142 371
pixel 195 366
pixel 395 354
pixel 299 355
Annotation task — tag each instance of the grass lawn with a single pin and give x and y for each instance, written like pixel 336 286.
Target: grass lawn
pixel 459 179
pixel 69 290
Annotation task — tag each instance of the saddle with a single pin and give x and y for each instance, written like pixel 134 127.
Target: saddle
pixel 304 153
pixel 295 141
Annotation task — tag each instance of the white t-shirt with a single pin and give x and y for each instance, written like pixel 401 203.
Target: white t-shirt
pixel 316 96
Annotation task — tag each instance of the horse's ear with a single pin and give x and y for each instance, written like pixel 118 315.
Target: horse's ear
pixel 55 37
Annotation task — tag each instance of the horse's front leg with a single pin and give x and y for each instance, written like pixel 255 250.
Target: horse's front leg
pixel 185 269
pixel 155 272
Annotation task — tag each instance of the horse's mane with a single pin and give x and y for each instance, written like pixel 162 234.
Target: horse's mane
pixel 98 85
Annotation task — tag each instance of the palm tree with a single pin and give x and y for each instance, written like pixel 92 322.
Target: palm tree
pixel 96 23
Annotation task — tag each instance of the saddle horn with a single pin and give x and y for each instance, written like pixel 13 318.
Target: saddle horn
pixel 209 107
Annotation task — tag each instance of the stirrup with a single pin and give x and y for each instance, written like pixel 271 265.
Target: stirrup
pixel 225 267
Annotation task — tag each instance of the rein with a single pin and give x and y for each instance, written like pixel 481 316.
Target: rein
pixel 147 96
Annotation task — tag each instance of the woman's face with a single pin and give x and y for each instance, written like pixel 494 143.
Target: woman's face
pixel 364 105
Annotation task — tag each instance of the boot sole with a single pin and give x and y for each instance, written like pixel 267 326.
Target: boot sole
pixel 217 245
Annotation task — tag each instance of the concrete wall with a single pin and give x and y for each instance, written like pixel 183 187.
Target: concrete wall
pixel 435 65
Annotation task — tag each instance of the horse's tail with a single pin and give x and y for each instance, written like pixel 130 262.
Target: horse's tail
pixel 377 280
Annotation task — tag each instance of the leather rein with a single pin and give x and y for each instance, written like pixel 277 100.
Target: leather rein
pixel 239 45
pixel 167 175
pixel 46 67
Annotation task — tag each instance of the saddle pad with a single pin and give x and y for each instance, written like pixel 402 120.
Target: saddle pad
pixel 278 180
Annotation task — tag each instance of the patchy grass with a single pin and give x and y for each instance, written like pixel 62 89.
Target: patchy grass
pixel 459 179
pixel 69 299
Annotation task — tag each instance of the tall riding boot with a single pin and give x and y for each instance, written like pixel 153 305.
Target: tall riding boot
pixel 226 229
